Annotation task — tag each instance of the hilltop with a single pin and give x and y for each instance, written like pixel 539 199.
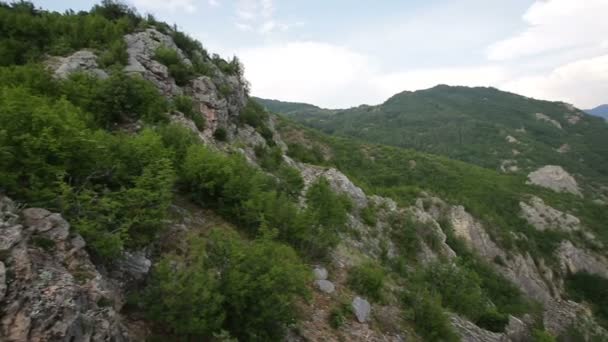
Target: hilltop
pixel 483 126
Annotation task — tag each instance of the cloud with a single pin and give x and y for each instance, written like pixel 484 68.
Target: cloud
pixel 583 82
pixel 171 5
pixel 553 26
pixel 335 76
pixel 258 16
pixel 213 3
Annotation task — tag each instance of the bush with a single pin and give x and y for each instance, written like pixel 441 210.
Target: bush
pixel 542 336
pixel 592 289
pixel 181 72
pixel 270 159
pixel 220 134
pixel 429 319
pixel 290 181
pixel 247 288
pixel 368 215
pixel 116 54
pixel 367 279
pixel 493 321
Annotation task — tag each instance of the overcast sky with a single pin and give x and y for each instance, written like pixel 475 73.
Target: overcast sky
pixel 344 53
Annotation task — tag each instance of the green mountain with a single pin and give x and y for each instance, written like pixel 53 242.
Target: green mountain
pixel 145 196
pixel 483 126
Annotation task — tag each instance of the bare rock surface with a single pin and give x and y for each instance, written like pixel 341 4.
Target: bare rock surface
pixel 574 259
pixel 53 293
pixel 555 178
pixel 325 286
pixel 544 217
pixel 79 61
pixel 545 118
pixel 362 309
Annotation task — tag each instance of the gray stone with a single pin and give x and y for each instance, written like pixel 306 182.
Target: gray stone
pixel 80 61
pixel 543 217
pixel 362 309
pixel 10 236
pixel 545 118
pixel 136 265
pixel 52 225
pixel 573 259
pixel 554 177
pixel 325 286
pixel 2 281
pixel 320 273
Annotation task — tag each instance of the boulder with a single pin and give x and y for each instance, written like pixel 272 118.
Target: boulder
pixel 544 217
pixel 134 265
pixel 554 177
pixel 362 309
pixel 325 286
pixel 320 273
pixel 80 61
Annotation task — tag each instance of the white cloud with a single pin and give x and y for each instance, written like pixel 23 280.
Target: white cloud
pixel 555 25
pixel 171 5
pixel 258 16
pixel 213 3
pixel 334 76
pixel 584 83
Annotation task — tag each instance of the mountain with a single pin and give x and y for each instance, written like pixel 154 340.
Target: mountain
pixel 601 111
pixel 145 196
pixel 483 126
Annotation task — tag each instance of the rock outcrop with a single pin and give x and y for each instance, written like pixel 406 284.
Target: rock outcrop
pixel 79 61
pixel 54 292
pixel 544 217
pixel 544 117
pixel 555 178
pixel 362 309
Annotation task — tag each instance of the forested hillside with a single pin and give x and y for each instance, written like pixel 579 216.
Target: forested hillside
pixel 145 196
pixel 483 126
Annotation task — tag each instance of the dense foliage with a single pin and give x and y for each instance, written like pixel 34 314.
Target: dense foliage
pixel 470 124
pixel 247 288
pixel 592 289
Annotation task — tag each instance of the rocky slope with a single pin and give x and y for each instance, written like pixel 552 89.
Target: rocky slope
pixel 52 290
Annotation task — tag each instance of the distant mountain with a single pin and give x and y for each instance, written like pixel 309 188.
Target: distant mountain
pixel 601 111
pixel 483 126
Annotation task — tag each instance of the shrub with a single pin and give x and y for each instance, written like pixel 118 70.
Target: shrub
pixel 368 215
pixel 367 279
pixel 269 158
pixel 493 321
pixel 542 336
pixel 181 72
pixel 116 54
pixel 592 289
pixel 429 319
pixel 220 134
pixel 290 181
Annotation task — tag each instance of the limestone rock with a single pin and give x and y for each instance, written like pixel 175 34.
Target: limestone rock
pixel 573 259
pixel 141 47
pixel 134 265
pixel 80 61
pixel 511 140
pixel 325 286
pixel 543 117
pixel 362 309
pixel 555 178
pixel 320 273
pixel 53 295
pixel 544 217
pixel 2 281
pixel 564 148
pixel 469 332
pixel 337 180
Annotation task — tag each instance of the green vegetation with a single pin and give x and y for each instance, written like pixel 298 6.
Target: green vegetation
pixel 181 72
pixel 469 124
pixel 490 196
pixel 367 279
pixel 185 105
pixel 247 288
pixel 430 321
pixel 592 289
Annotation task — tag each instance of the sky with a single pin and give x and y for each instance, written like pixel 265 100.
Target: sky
pixel 344 53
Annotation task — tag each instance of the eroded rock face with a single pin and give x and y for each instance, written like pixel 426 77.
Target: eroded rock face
pixel 543 217
pixel 337 180
pixel 54 292
pixel 555 178
pixel 544 117
pixel 141 47
pixel 573 260
pixel 80 61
